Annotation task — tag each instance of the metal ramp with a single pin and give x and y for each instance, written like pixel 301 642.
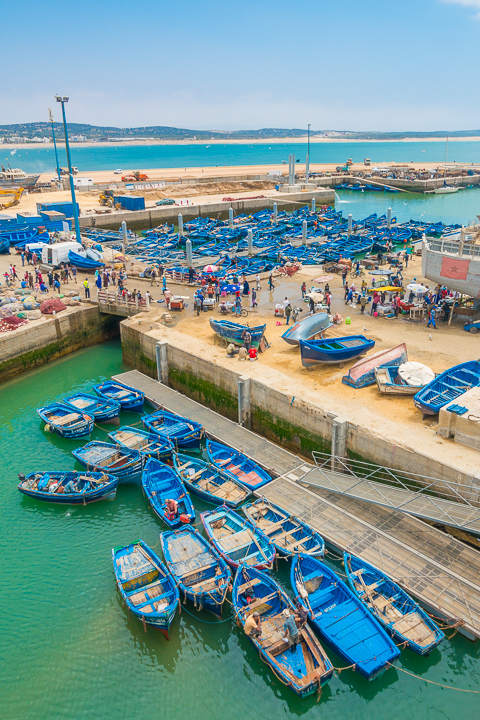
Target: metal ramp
pixel 437 500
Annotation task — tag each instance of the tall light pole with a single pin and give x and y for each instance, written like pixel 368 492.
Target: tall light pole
pixel 307 164
pixel 63 100
pixel 50 116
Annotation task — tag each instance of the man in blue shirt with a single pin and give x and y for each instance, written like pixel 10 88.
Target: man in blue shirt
pixel 291 630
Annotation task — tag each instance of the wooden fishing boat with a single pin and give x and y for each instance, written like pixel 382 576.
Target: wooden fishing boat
pixel 200 573
pixel 148 444
pixel 363 372
pixel 125 464
pixel 340 617
pixel 233 331
pixel 447 387
pixel 307 667
pixel 161 483
pixel 405 379
pixel 307 328
pixel 82 262
pixel 66 423
pixel 129 398
pixel 50 485
pixel 334 350
pixel 180 430
pixel 146 585
pixel 238 465
pixel 107 411
pixel 402 617
pixel 287 533
pixel 237 540
pixel 208 482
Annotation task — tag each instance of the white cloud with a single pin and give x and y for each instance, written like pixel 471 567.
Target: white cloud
pixel 467 3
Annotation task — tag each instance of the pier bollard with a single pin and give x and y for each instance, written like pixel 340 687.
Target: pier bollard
pixel 124 232
pixel 304 232
pixel 314 205
pixel 350 220
pixel 230 217
pixel 389 218
pixel 275 213
pixel 250 241
pixel 180 224
pixel 188 252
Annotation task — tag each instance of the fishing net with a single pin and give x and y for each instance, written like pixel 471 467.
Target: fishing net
pixel 11 323
pixel 52 305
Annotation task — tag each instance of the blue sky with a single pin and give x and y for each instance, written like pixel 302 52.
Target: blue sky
pixel 217 64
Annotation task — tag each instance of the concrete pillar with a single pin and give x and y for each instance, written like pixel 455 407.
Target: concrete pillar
pixel 188 253
pixel 244 392
pixel 124 232
pixel 389 218
pixel 461 243
pixel 291 161
pixel 349 230
pixel 339 439
pixel 314 205
pixel 230 217
pixel 250 241
pixel 275 213
pixel 180 224
pixel 304 232
pixel 161 351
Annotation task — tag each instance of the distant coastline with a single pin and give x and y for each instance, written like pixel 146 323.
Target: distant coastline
pixel 254 141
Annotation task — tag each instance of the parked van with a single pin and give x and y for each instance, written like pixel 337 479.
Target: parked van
pixel 58 253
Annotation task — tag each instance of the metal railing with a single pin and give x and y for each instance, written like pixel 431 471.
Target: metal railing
pixel 107 297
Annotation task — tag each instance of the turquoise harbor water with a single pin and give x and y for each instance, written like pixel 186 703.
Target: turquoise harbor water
pixel 68 648
pixel 40 159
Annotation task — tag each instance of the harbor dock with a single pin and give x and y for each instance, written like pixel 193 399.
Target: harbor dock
pixel 440 571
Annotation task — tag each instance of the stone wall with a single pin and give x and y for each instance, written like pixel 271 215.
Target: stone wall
pixel 47 339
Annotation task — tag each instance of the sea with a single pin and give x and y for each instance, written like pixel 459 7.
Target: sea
pixel 69 648
pixel 142 157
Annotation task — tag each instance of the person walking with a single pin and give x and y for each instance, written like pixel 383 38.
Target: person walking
pixel 271 286
pixel 304 289
pixel 328 300
pixel 346 290
pixel 98 282
pixel 217 292
pixel 247 339
pixel 197 305
pixel 431 318
pixel 30 281
pixel 288 312
pixel 258 282
pixel 374 304
pixel 23 258
pixel 344 276
pixel 190 275
pixel 153 276
pixel 363 304
pixel 254 297
pixel 86 285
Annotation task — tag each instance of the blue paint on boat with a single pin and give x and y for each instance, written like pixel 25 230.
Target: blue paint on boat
pixel 208 482
pixel 304 666
pixel 161 483
pixel 147 587
pixel 334 350
pixel 340 617
pixel 233 331
pixel 147 444
pixel 402 617
pixel 129 398
pixel 89 486
pixel 83 263
pixel 125 464
pixel 101 410
pixel 202 576
pixel 237 540
pixel 66 422
pixel 448 386
pixel 182 431
pixel 238 465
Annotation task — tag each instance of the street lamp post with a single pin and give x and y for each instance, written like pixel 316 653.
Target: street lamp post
pixel 63 100
pixel 307 164
pixel 54 143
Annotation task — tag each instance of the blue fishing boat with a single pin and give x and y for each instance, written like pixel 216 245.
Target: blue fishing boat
pixel 363 372
pixel 302 663
pixel 334 350
pixel 238 465
pixel 208 482
pixel 182 431
pixel 287 533
pixel 237 540
pixel 233 331
pixel 148 444
pixel 4 245
pixel 340 618
pixel 65 422
pixel 162 486
pixel 402 617
pixel 83 262
pixel 68 487
pixel 125 464
pixel 306 328
pixel 129 398
pixel 146 585
pixel 202 576
pixel 448 386
pixel 107 411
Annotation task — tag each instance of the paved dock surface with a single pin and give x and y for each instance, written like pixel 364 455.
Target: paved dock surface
pixel 442 572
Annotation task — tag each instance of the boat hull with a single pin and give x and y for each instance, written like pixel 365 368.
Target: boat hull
pixel 132 401
pixel 448 386
pixel 127 469
pixel 108 492
pixel 260 559
pixel 327 353
pixel 82 427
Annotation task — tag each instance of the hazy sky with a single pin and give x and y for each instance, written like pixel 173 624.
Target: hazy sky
pixel 343 64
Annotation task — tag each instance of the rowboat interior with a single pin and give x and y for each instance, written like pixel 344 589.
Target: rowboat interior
pixel 194 565
pixel 133 440
pixel 106 458
pixel 251 478
pixel 70 419
pixel 286 532
pixel 237 542
pixel 213 483
pixel 142 582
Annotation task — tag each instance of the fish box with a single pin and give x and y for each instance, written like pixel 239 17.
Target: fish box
pixel 177 304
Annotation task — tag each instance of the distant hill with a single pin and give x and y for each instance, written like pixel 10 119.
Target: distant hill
pixel 160 132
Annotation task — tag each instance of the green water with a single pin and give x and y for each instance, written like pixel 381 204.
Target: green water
pixel 68 648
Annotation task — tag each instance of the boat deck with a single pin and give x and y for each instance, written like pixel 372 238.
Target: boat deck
pixel 442 572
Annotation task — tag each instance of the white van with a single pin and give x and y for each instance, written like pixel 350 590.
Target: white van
pixel 58 253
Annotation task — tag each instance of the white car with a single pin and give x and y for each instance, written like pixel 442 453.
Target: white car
pixel 118 171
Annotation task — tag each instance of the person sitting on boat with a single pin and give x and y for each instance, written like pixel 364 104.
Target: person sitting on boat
pixel 253 626
pixel 291 630
pixel 171 508
pixel 301 615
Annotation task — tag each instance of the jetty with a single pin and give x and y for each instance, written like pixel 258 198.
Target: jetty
pixel 440 571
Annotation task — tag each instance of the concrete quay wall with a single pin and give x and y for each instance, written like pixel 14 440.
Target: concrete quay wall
pixel 265 401
pixel 50 338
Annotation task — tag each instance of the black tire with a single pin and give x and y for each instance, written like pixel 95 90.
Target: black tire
pixel 473 330
pixel 244 313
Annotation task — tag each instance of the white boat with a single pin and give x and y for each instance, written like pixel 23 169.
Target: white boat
pixel 445 189
pixel 17 178
pixel 406 379
pixel 454 260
